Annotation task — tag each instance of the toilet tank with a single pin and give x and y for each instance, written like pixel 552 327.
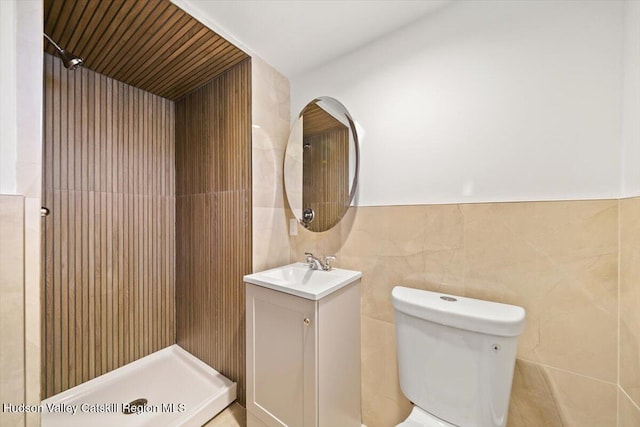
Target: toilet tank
pixel 456 355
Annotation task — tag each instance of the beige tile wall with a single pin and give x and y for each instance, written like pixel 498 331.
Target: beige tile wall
pixel 629 376
pixel 270 132
pixel 628 412
pixel 12 357
pixel 556 259
pixel 32 229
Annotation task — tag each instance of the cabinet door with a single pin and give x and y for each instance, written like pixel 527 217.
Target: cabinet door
pixel 281 358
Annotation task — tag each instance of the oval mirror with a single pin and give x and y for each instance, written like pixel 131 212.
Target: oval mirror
pixel 321 164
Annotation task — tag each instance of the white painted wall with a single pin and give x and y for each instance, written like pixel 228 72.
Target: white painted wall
pixel 21 97
pixel 631 102
pixel 29 78
pixel 8 119
pixel 486 101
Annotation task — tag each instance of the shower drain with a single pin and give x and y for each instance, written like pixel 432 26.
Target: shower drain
pixel 135 406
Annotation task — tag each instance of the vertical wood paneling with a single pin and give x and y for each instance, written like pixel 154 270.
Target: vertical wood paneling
pixel 109 241
pixel 325 177
pixel 213 221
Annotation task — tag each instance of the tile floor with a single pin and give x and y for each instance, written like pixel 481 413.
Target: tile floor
pixel 233 416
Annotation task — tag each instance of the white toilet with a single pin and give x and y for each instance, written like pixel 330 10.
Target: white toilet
pixel 455 357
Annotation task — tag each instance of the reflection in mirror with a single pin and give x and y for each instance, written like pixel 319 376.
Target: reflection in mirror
pixel 321 164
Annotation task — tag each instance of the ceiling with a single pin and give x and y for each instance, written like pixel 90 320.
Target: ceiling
pixel 318 121
pixel 296 36
pixel 149 44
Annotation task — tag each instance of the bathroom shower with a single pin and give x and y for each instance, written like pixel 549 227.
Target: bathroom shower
pixel 70 61
pixel 127 285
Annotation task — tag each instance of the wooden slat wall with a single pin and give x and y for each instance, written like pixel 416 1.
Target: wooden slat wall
pixel 110 239
pixel 325 176
pixel 213 221
pixel 318 121
pixel 150 44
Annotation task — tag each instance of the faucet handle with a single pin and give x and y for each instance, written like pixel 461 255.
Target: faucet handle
pixel 327 262
pixel 308 255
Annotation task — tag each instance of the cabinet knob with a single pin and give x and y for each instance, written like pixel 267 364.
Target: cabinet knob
pixel 306 321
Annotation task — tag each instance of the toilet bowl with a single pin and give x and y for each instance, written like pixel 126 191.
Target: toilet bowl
pixel 456 357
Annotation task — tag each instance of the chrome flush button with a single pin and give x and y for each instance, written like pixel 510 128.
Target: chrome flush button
pixel 446 298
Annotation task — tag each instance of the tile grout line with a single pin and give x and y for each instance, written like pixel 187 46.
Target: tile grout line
pixel 567 371
pixel 628 397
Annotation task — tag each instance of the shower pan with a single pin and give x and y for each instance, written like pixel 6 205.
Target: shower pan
pixel 169 388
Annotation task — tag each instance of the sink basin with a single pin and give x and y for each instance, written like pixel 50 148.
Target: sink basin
pixel 298 279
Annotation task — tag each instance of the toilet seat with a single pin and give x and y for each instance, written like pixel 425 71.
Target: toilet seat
pixel 421 418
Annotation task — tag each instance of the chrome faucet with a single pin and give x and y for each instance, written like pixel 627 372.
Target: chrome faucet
pixel 316 264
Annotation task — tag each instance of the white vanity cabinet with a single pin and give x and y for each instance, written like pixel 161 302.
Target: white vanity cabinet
pixel 303 357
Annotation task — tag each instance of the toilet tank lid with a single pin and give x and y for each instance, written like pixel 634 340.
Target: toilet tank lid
pixel 487 317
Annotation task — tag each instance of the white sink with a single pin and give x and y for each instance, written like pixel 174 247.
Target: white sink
pixel 298 279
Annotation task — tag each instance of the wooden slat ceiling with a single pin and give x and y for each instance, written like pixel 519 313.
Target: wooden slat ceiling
pixel 149 44
pixel 317 121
